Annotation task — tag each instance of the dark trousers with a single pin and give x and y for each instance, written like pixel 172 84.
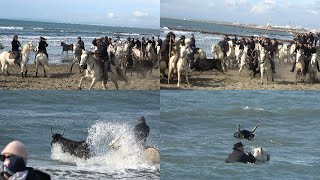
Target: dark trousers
pixel 16 55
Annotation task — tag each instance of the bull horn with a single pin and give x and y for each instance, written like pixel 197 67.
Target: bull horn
pixel 52 131
pixel 62 132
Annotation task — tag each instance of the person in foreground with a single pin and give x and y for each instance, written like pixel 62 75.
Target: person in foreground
pixel 141 132
pixel 14 164
pixel 238 155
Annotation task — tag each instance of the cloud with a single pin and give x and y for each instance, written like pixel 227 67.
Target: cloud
pixel 235 3
pixel 139 14
pixel 263 6
pixel 110 15
pixel 312 12
pixel 212 4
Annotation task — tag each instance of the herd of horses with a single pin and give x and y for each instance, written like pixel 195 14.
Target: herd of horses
pixel 239 58
pixel 119 54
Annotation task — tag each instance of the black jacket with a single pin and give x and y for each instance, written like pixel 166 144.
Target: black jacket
pixel 33 174
pixel 42 46
pixel 239 156
pixel 141 131
pixel 15 45
pixel 81 44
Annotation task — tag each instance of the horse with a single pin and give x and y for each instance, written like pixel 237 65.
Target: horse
pixel 290 52
pixel 182 64
pixel 6 60
pixel 218 54
pixel 283 53
pixel 77 51
pixel 238 53
pixel 151 55
pixel 312 67
pixel 25 58
pixel 66 47
pixel 42 60
pixel 265 66
pixel 231 56
pixel 260 155
pixel 244 62
pixel 299 68
pixel 95 73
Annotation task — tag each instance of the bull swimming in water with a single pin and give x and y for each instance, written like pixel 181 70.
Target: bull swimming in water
pixel 76 148
pixel 245 134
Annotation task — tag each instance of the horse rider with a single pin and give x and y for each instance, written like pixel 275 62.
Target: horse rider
pixel 80 43
pixel 224 45
pixel 143 46
pixel 308 51
pixel 42 47
pixel 238 155
pixel 192 46
pixel 15 49
pixel 167 47
pixel 267 44
pixel 141 132
pixel 102 56
pixel 159 42
pixel 117 39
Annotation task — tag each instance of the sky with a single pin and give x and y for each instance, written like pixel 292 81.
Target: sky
pixel 305 13
pixel 128 13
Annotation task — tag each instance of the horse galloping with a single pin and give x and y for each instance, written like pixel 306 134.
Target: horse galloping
pixel 95 72
pixel 299 67
pixel 77 51
pixel 312 67
pixel 265 66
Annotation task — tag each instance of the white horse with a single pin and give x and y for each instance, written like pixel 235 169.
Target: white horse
pixel 25 53
pixel 218 54
pixel 231 56
pixel 77 51
pixel 291 53
pixel 312 68
pixel 244 61
pixel 265 66
pixel 299 68
pixel 238 53
pixel 95 73
pixel 283 53
pixel 42 60
pixel 260 155
pixel 182 64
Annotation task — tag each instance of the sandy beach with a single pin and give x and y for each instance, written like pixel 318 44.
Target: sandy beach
pixel 232 80
pixel 59 78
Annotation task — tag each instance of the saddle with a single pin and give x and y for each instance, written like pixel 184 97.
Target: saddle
pixel 12 55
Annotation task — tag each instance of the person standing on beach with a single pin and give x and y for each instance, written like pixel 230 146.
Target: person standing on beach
pixel 238 155
pixel 80 43
pixel 14 164
pixel 141 132
pixel 15 49
pixel 42 47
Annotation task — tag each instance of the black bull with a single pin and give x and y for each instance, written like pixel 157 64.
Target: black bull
pixel 76 148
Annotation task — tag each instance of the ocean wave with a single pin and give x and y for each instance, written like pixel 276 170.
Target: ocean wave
pixel 128 34
pixel 249 108
pixel 166 28
pixel 37 28
pixel 11 27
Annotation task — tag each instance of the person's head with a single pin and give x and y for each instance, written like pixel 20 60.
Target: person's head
pixel 13 164
pixel 192 36
pixel 15 37
pixel 42 38
pixel 152 38
pixel 182 37
pixel 79 38
pixel 238 146
pixel 142 120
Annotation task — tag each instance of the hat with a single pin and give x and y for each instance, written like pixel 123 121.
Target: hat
pixel 78 37
pixel 42 38
pixel 182 37
pixel 118 36
pixel 16 148
pixel 13 164
pixel 142 119
pixel 239 144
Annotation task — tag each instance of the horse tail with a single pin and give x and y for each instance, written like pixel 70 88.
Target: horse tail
pixel 254 129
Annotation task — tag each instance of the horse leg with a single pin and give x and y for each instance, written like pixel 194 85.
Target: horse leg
pixel 71 67
pixel 179 78
pixel 81 79
pixel 6 69
pixel 104 85
pixel 37 67
pixel 115 83
pixel 93 82
pixel 186 73
pixel 44 72
pixel 261 72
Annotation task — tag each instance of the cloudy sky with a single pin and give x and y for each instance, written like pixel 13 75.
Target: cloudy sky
pixel 136 13
pixel 304 13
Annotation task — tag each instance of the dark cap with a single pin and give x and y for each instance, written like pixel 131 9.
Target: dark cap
pixel 78 37
pixel 239 144
pixel 14 164
pixel 142 119
pixel 182 37
pixel 42 38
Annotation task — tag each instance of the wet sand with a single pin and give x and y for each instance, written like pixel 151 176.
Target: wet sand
pixel 60 78
pixel 232 80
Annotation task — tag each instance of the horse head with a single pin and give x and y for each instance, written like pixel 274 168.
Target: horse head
pixel 84 58
pixel 261 155
pixel 184 51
